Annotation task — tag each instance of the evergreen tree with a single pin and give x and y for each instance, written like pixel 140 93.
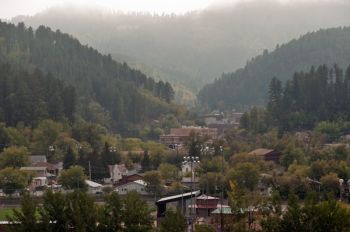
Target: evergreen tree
pixel 146 162
pixel 136 214
pixel 275 99
pixel 54 210
pixel 173 222
pixel 81 212
pixel 24 218
pixel 110 219
pixel 69 159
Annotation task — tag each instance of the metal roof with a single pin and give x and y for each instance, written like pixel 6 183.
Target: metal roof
pixel 178 197
pixel 224 210
pixel 261 151
pixel 92 184
pixel 33 168
pixel 206 197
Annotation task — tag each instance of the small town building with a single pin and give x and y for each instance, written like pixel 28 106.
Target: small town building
pixel 180 199
pixel 178 136
pixel 37 171
pixel 33 159
pixel 186 168
pixel 138 185
pixel 53 169
pixel 93 187
pixel 130 178
pixel 205 205
pixel 221 212
pixel 117 172
pixel 267 154
pixel 222 121
pixel 39 181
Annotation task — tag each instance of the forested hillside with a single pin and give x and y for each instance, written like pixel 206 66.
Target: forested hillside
pixel 322 94
pixel 32 97
pixel 108 92
pixel 249 85
pixel 319 98
pixel 195 48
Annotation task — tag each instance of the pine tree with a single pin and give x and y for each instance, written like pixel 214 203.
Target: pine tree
pixel 136 214
pixel 275 99
pixel 146 162
pixel 69 158
pixel 54 210
pixel 173 222
pixel 111 214
pixel 25 218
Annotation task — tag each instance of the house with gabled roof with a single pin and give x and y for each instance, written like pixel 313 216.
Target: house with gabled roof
pixel 138 186
pixel 267 154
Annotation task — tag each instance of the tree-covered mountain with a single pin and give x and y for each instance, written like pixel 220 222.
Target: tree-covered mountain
pixel 322 94
pixel 249 85
pixel 195 48
pixel 32 97
pixel 109 93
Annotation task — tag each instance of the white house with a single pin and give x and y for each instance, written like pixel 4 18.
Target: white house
pixel 138 185
pixel 39 181
pixel 93 187
pixel 186 168
pixel 117 172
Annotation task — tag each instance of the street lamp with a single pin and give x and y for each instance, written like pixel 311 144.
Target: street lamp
pixel 191 160
pixel 112 149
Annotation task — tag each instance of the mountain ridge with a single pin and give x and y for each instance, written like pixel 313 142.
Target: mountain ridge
pixel 249 85
pixel 195 48
pixel 104 86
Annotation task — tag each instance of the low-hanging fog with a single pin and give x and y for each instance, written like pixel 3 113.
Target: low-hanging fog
pixel 194 48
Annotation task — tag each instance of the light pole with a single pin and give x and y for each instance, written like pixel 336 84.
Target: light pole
pixel 112 149
pixel 222 189
pixel 191 160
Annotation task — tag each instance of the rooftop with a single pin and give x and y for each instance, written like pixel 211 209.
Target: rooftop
pixel 33 168
pixel 224 210
pixel 49 166
pixel 178 197
pixel 139 182
pixel 206 197
pixel 92 184
pixel 261 151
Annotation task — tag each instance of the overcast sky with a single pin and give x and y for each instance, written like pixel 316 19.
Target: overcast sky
pixel 11 8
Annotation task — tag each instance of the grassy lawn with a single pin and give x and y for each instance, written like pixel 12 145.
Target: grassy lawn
pixel 5 212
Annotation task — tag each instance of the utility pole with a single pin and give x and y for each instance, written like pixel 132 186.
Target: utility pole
pixel 191 160
pixel 191 215
pixel 89 170
pixel 222 191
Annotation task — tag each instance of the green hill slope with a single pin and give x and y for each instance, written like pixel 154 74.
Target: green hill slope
pixel 249 85
pixel 104 87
